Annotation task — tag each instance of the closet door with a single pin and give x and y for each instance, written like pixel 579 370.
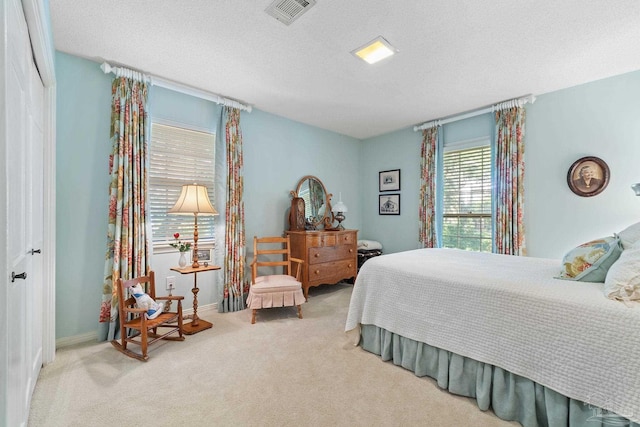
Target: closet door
pixel 24 172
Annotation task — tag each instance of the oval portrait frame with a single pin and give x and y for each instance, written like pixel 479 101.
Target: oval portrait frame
pixel 599 172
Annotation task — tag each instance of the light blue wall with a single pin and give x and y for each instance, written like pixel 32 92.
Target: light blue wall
pixel 401 150
pixel 600 119
pixel 82 151
pixel 277 153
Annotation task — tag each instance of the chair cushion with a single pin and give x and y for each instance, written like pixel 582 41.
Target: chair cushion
pixel 275 283
pixel 277 290
pixel 273 277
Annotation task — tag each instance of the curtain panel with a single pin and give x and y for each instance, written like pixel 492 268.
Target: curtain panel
pixel 235 288
pixel 509 236
pixel 426 212
pixel 128 247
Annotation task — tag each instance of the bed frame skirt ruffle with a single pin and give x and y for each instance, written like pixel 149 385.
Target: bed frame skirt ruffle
pixel 510 396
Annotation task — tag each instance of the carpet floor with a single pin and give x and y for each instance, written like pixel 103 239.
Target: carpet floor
pixel 282 371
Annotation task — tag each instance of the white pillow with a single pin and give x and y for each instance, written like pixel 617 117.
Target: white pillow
pixel 630 235
pixel 623 278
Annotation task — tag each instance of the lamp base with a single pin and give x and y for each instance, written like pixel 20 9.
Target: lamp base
pixel 340 217
pixel 190 329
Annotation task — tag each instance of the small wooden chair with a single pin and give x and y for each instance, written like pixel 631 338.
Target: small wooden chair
pixel 274 290
pixel 135 318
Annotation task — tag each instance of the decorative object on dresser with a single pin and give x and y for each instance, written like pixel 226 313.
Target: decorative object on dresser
pixel 194 199
pixel 329 256
pixel 588 176
pixel 297 220
pixel 316 205
pixel 338 211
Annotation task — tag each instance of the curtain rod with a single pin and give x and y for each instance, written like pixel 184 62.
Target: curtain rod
pixel 516 102
pixel 175 86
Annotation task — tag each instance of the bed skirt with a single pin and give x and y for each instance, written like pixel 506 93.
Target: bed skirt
pixel 510 396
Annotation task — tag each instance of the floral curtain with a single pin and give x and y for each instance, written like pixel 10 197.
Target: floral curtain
pixel 426 212
pixel 127 253
pixel 234 258
pixel 509 182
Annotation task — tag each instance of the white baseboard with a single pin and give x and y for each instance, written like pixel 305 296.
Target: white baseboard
pixel 93 335
pixel 77 339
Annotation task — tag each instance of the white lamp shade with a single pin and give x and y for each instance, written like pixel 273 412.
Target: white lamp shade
pixel 194 199
pixel 339 207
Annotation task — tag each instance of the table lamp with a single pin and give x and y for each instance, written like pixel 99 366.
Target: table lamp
pixel 339 209
pixel 194 199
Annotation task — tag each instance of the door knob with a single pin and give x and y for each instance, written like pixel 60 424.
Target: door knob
pixel 15 276
pixel 35 251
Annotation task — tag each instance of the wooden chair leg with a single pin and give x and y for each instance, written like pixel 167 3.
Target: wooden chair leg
pixel 299 311
pixel 144 343
pixel 253 316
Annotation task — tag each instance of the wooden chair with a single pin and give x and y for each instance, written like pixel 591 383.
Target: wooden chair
pixel 134 318
pixel 274 290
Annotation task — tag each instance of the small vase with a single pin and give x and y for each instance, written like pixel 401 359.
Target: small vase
pixel 182 262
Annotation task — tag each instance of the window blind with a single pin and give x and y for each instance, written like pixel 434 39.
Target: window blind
pixel 467 198
pixel 179 156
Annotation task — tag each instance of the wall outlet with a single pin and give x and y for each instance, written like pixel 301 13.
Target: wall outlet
pixel 171 283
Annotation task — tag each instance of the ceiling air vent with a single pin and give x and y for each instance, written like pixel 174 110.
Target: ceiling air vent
pixel 287 11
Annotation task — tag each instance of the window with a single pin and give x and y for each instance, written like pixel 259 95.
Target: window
pixel 466 222
pixel 179 156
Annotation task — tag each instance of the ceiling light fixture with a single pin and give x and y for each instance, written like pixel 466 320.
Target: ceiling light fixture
pixel 374 51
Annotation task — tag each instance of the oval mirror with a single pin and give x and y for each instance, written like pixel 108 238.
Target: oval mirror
pixel 317 206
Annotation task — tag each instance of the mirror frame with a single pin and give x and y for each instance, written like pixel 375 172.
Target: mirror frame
pixel 327 220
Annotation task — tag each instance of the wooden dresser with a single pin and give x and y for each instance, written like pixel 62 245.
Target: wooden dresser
pixel 329 256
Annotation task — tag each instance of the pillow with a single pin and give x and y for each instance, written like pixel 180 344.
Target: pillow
pixel 630 235
pixel 590 261
pixel 623 278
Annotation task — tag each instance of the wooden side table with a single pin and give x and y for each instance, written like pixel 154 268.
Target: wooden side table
pixel 196 325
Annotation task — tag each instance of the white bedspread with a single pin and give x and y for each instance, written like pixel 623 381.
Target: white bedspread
pixel 510 312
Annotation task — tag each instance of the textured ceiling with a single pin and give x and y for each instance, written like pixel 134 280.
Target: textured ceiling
pixel 454 56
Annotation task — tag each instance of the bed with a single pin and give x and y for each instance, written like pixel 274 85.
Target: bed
pixel 503 330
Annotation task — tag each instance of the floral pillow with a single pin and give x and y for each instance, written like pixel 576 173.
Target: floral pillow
pixel 623 278
pixel 590 261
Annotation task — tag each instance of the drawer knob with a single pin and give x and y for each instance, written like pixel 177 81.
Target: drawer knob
pixel 350 251
pixel 317 255
pixel 350 265
pixel 317 272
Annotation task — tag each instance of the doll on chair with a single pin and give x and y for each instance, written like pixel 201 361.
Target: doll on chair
pixel 143 300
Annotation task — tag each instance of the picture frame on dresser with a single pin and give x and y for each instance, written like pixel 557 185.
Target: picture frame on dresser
pixel 389 180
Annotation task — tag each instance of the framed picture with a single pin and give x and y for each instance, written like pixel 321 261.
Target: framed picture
pixel 390 180
pixel 389 204
pixel 203 255
pixel 588 176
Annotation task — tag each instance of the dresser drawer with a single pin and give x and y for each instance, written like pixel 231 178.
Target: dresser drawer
pixel 346 239
pixel 331 272
pixel 325 254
